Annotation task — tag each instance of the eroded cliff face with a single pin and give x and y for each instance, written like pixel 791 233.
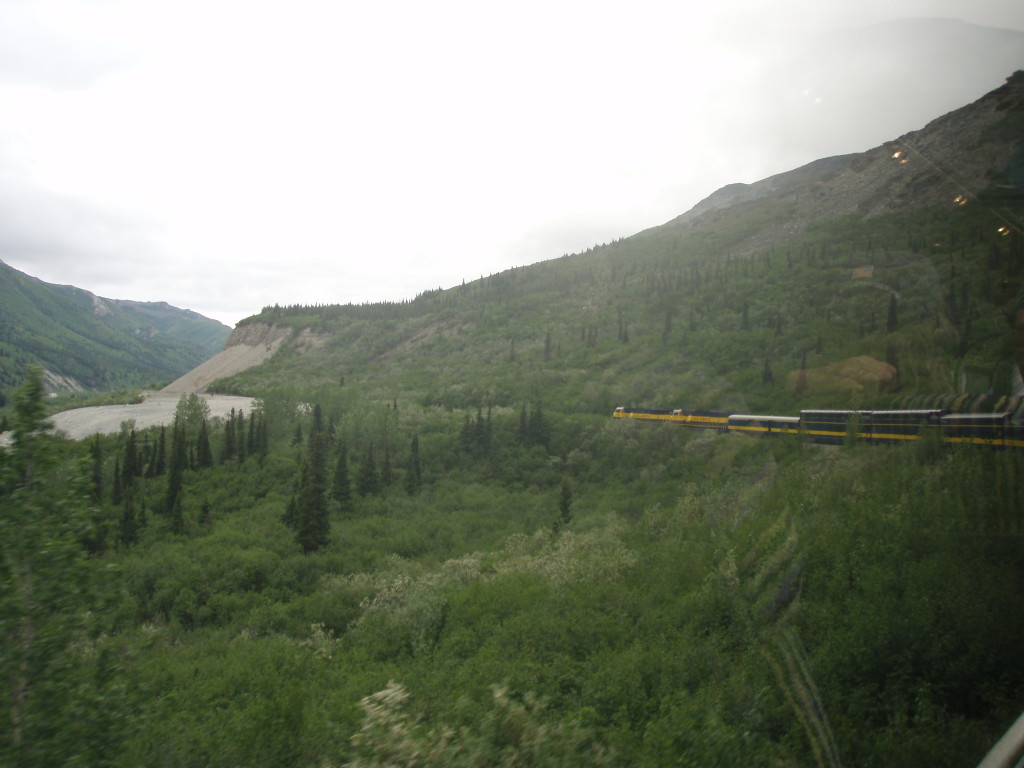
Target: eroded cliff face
pixel 255 334
pixel 247 346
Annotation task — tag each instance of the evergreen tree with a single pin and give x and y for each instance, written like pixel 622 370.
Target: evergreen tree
pixel 564 507
pixel 368 482
pixel 204 456
pixel 228 452
pixel 341 487
pixel 160 462
pixel 176 471
pixel 891 322
pixel 386 473
pixel 116 491
pixel 44 599
pixel 129 532
pixel 317 425
pixel 251 441
pixel 537 430
pixel 132 467
pixel 466 435
pixel 96 453
pixel 263 441
pixel 309 517
pixel 414 471
pixel 240 435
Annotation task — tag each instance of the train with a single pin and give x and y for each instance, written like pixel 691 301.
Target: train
pixel 998 429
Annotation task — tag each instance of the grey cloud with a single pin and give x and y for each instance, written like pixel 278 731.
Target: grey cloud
pixel 48 234
pixel 847 90
pixel 34 51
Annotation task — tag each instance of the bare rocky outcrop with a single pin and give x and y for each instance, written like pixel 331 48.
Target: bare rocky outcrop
pixel 948 162
pixel 854 374
pixel 247 346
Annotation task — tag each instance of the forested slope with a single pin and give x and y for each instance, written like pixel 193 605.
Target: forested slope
pixel 85 342
pixel 885 255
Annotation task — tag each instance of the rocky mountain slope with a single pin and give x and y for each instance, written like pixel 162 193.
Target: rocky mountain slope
pixel 959 155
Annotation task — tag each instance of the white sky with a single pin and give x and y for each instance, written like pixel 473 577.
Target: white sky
pixel 222 155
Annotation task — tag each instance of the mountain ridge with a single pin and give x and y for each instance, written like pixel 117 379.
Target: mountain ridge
pixel 86 342
pixel 712 307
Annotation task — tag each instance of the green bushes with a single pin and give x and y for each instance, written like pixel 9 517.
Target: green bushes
pixel 713 597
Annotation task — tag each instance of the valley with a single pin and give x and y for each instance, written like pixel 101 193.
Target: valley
pixel 413 533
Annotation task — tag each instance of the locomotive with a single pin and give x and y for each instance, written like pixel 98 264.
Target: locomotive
pixel 834 427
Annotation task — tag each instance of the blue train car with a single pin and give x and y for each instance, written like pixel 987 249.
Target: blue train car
pixel 826 426
pixel 896 426
pixel 980 429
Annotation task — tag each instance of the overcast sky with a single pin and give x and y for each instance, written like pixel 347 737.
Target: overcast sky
pixel 222 155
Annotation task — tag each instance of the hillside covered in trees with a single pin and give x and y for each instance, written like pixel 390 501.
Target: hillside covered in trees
pixel 429 544
pixel 87 343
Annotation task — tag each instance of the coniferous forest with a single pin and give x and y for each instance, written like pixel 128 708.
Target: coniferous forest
pixel 427 543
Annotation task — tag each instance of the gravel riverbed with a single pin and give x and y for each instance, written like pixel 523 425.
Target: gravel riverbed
pixel 155 410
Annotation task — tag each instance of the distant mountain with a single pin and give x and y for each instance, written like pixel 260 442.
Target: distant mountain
pixel 86 342
pixel 906 261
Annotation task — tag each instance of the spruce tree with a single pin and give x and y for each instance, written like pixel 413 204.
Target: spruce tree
pixel 129 523
pixel 317 425
pixel 116 489
pixel 228 452
pixel 368 482
pixel 310 515
pixel 564 507
pixel 892 321
pixel 251 445
pixel 176 471
pixel 386 473
pixel 96 453
pixel 160 462
pixel 204 456
pixel 341 488
pixel 414 472
pixel 240 436
pixel 129 467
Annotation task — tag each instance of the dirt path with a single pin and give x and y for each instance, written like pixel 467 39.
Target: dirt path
pixel 157 409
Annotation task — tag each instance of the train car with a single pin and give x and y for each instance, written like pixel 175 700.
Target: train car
pixel 828 427
pixel 701 419
pixel 698 419
pixel 649 414
pixel 1014 436
pixel 764 425
pixel 999 429
pixel 980 429
pixel 897 426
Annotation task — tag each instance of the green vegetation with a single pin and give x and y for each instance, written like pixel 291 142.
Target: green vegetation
pixel 628 594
